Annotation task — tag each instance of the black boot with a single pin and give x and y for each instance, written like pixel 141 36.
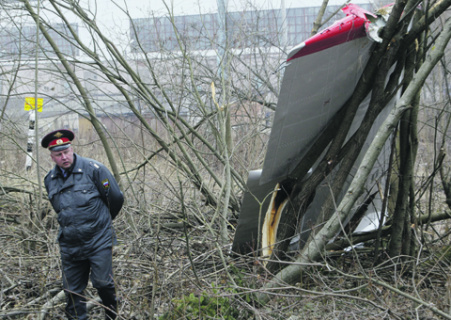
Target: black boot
pixel 108 296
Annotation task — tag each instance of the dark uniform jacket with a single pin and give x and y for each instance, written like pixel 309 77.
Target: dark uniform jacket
pixel 86 203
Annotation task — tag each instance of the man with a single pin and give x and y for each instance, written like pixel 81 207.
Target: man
pixel 86 198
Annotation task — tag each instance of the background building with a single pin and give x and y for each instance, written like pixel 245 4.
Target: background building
pixel 20 41
pixel 252 28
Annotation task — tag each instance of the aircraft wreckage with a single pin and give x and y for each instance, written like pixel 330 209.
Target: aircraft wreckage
pixel 320 75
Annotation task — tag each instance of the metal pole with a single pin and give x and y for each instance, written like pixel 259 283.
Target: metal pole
pixel 36 88
pixel 284 39
pixel 222 35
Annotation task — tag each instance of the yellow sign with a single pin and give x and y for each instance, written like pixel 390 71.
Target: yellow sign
pixel 30 104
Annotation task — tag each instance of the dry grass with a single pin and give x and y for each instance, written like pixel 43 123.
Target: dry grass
pixel 153 269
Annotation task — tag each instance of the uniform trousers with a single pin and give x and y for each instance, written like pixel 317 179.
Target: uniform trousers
pixel 76 273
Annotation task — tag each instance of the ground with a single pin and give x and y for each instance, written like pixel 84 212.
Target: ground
pixel 159 276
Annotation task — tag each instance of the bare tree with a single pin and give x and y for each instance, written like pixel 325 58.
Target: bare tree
pixel 181 131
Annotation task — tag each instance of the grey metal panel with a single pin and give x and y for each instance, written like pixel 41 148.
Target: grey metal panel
pixel 377 176
pixel 314 88
pixel 255 203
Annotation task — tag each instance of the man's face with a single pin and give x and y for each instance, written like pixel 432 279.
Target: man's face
pixel 64 158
